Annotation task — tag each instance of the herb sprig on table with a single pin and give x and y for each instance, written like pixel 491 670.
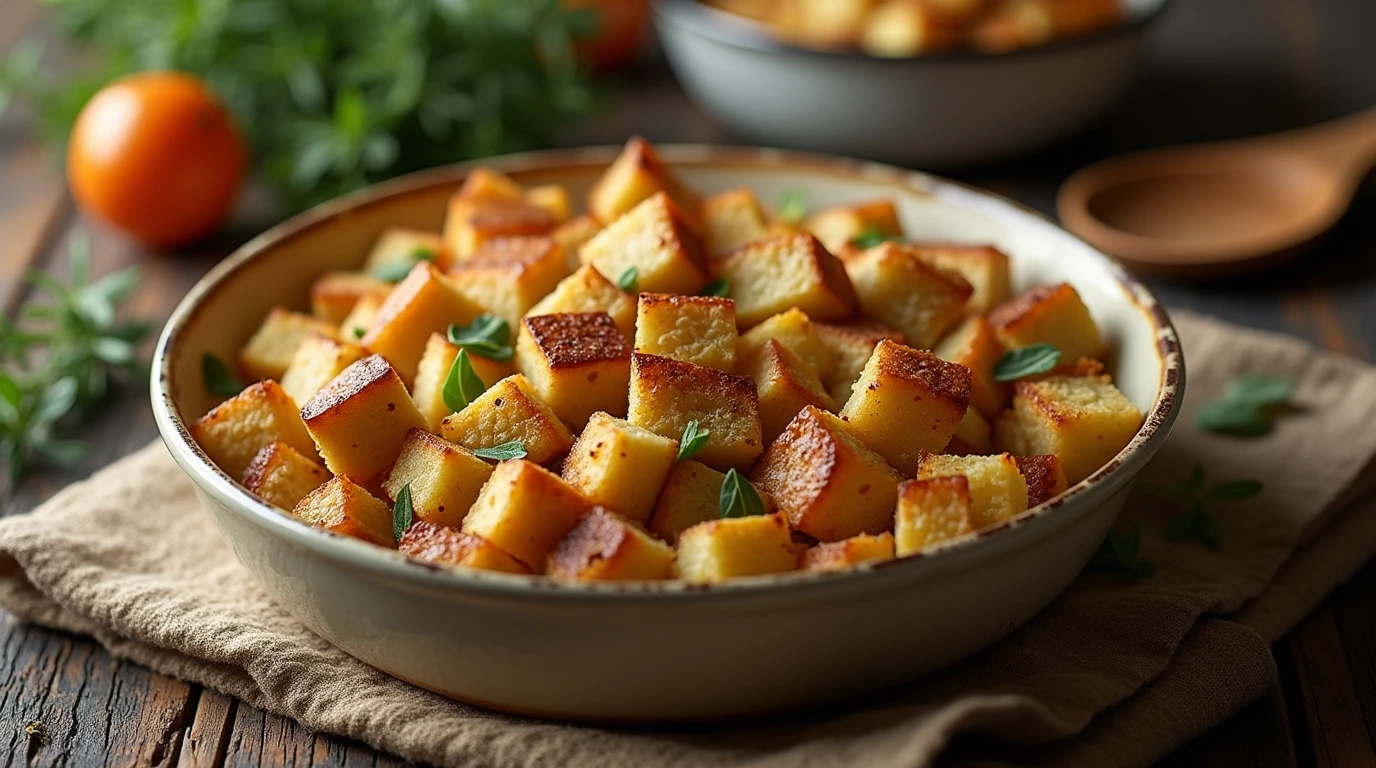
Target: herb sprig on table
pixel 1196 496
pixel 1247 407
pixel 1120 552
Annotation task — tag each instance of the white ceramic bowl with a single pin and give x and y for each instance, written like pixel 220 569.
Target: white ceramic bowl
pixel 939 111
pixel 664 651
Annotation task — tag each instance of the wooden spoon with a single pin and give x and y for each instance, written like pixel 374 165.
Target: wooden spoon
pixel 1221 207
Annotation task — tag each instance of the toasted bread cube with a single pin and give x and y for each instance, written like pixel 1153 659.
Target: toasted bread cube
pixel 849 348
pixel 839 226
pixel 605 546
pixel 827 24
pixel 785 385
pixel 588 290
pixel 620 466
pixel 695 329
pixel 974 345
pixel 840 555
pixel 781 273
pixel 510 410
pixel 361 317
pixel 652 238
pixel 398 245
pixel 1044 477
pixel 666 394
pixel 433 371
pixel 268 352
pixel 984 267
pixel 1083 420
pixel 898 29
pixel 579 364
pixel 281 476
pixel 234 431
pixel 896 286
pixel 445 478
pixel 691 494
pixel 907 401
pixel 553 198
pixel 483 183
pixel 525 509
pixel 424 303
pixel 510 274
pixel 317 361
pixel 335 294
pixel 731 219
pixel 470 223
pixel 440 545
pixel 346 508
pixel 359 420
pixel 997 490
pixel 572 235
pixel 718 550
pixel 973 436
pixel 931 511
pixel 796 331
pixel 1049 314
pixel 636 175
pixel 831 486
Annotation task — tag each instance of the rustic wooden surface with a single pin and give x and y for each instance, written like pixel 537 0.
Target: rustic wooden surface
pixel 1218 68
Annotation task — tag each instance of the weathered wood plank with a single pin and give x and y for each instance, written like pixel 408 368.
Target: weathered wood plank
pixel 207 738
pixel 1332 709
pixel 1352 607
pixel 1258 736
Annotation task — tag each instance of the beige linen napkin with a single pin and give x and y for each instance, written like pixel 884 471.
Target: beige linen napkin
pixel 1116 672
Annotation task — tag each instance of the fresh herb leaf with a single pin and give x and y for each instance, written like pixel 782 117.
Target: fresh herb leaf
pixel 218 378
pixel 504 452
pixel 359 333
pixel 488 336
pixel 1237 489
pixel 719 287
pixel 1028 361
pixel 629 280
pixel 1197 520
pixel 793 206
pixel 1246 407
pixel 396 271
pixel 402 513
pixel 1260 389
pixel 870 237
pixel 462 386
pixel 692 441
pixel 1120 552
pixel 738 497
pixel 1195 481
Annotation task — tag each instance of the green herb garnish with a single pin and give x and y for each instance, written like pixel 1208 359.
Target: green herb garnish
pixel 793 206
pixel 1028 361
pixel 402 513
pixel 1195 496
pixel 629 280
pixel 219 380
pixel 692 441
pixel 504 452
pixel 488 336
pixel 719 287
pixel 738 497
pixel 870 237
pixel 1247 407
pixel 462 386
pixel 359 333
pixel 1119 552
pixel 396 271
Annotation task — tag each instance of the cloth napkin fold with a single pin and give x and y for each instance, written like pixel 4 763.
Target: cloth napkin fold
pixel 1117 671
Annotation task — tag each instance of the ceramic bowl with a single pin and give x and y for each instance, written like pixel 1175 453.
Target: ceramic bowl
pixel 664 651
pixel 939 111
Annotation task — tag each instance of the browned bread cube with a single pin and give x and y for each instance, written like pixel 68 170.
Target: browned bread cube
pixel 837 227
pixel 234 431
pixel 425 302
pixel 605 546
pixel 785 385
pixel 796 331
pixel 931 511
pixel 781 273
pixel 847 553
pixel 436 544
pixel 335 294
pixel 974 345
pixel 896 286
pixel 731 219
pixel 509 275
pixel 588 290
pixel 620 466
pixel 900 29
pixel 1083 420
pixel 984 267
pixel 317 361
pixel 828 483
pixel 579 364
pixel 444 478
pixel 281 476
pixel 691 494
pixel 360 419
pixel 510 410
pixel 653 239
pixel 346 508
pixel 398 245
pixel 973 436
pixel 718 550
pixel 572 234
pixel 666 394
pixel 268 352
pixel 525 510
pixel 553 198
pixel 1044 477
pixel 1049 314
pixel 849 348
pixel 484 183
pixel 360 318
pixel 694 329
pixel 997 490
pixel 636 175
pixel 433 371
pixel 470 223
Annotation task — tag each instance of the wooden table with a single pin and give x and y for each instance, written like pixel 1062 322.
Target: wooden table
pixel 1218 68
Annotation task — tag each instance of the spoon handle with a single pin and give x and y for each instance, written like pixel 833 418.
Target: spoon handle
pixel 1348 143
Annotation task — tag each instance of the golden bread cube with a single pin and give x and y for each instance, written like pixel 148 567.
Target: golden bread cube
pixel 830 485
pixel 510 410
pixel 974 345
pixel 898 29
pixel 796 331
pixel 524 509
pixel 572 234
pixel 588 290
pixel 653 239
pixel 579 364
pixel 785 385
pixel 346 508
pixel 821 23
pixel 335 294
pixel 398 245
pixel 553 198
pixel 281 476
pixel 425 302
pixel 510 274
pixel 782 273
pixel 439 545
pixel 636 175
pixel 849 348
pixel 605 546
pixel 973 436
pixel 837 227
pixel 1083 420
pixel 907 401
pixel 268 352
pixel 1044 477
pixel 360 419
pixel 433 371
pixel 317 361
pixel 472 222
pixel 691 494
pixel 445 478
pixel 984 267
pixel 484 183
pixel 718 550
pixel 620 466
pixel 1049 314
pixel 234 431
pixel 997 490
pixel 361 317
pixel 694 329
pixel 731 219
pixel 666 394
pixel 931 511
pixel 897 287
pixel 840 555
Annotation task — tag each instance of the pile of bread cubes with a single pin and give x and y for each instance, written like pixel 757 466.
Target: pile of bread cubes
pixel 851 382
